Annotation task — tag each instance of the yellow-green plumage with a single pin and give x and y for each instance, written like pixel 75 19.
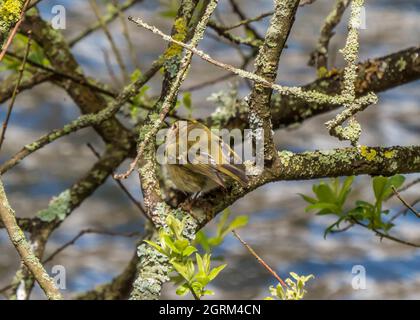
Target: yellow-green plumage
pixel 202 171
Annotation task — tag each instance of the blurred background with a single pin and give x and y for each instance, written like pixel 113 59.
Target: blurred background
pixel 280 230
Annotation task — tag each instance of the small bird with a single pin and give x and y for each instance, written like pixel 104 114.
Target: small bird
pixel 195 166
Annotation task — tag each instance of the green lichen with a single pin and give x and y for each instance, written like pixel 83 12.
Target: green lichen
pixel 58 208
pixel 227 106
pixel 10 11
pixel 389 154
pixel 285 157
pixel 368 154
pixel 153 269
pixel 351 132
pixel 180 34
pixel 401 64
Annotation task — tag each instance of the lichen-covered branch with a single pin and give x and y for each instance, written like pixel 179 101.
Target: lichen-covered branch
pixel 266 65
pixel 15 92
pixel 319 58
pixel 111 41
pixel 155 120
pixel 221 31
pixel 106 19
pixel 83 121
pixel 153 272
pixel 28 82
pixel 153 266
pixel 10 13
pixel 308 95
pixel 313 165
pixel 373 75
pixel 63 205
pixel 24 249
pixel 351 53
pixel 57 51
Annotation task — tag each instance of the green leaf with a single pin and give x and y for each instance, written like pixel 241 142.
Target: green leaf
pixel 189 251
pixel 331 207
pixel 324 193
pixel 308 199
pixel 200 263
pixel 198 288
pixel 396 181
pixel 382 186
pixel 183 270
pixel 181 244
pixel 186 100
pixel 169 242
pixel 135 75
pixel 239 222
pixel 182 290
pixel 190 268
pixel 202 278
pixel 202 239
pixel 215 271
pixel 208 293
pixel 154 245
pixel 345 190
pixel 222 222
pixel 331 227
pixel 216 241
pixel 379 187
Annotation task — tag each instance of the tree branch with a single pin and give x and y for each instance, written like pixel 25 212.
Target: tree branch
pixel 312 165
pixel 266 65
pixel 24 249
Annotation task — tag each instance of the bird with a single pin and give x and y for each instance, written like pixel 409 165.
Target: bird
pixel 194 166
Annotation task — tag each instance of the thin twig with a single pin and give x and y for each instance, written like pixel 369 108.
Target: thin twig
pixel 34 4
pixel 14 31
pixel 220 30
pixel 192 291
pixel 79 80
pixel 15 91
pixel 237 9
pixel 247 21
pixel 107 19
pixel 306 2
pixel 351 54
pixel 4 289
pixel 88 231
pixel 126 34
pixel 409 185
pixel 83 121
pixel 319 57
pixel 207 83
pixel 349 226
pixel 386 236
pixel 111 72
pixel 123 188
pixel 404 210
pixel 308 95
pixel 108 35
pixel 24 249
pixel 260 260
pixel 168 101
pixel 405 202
